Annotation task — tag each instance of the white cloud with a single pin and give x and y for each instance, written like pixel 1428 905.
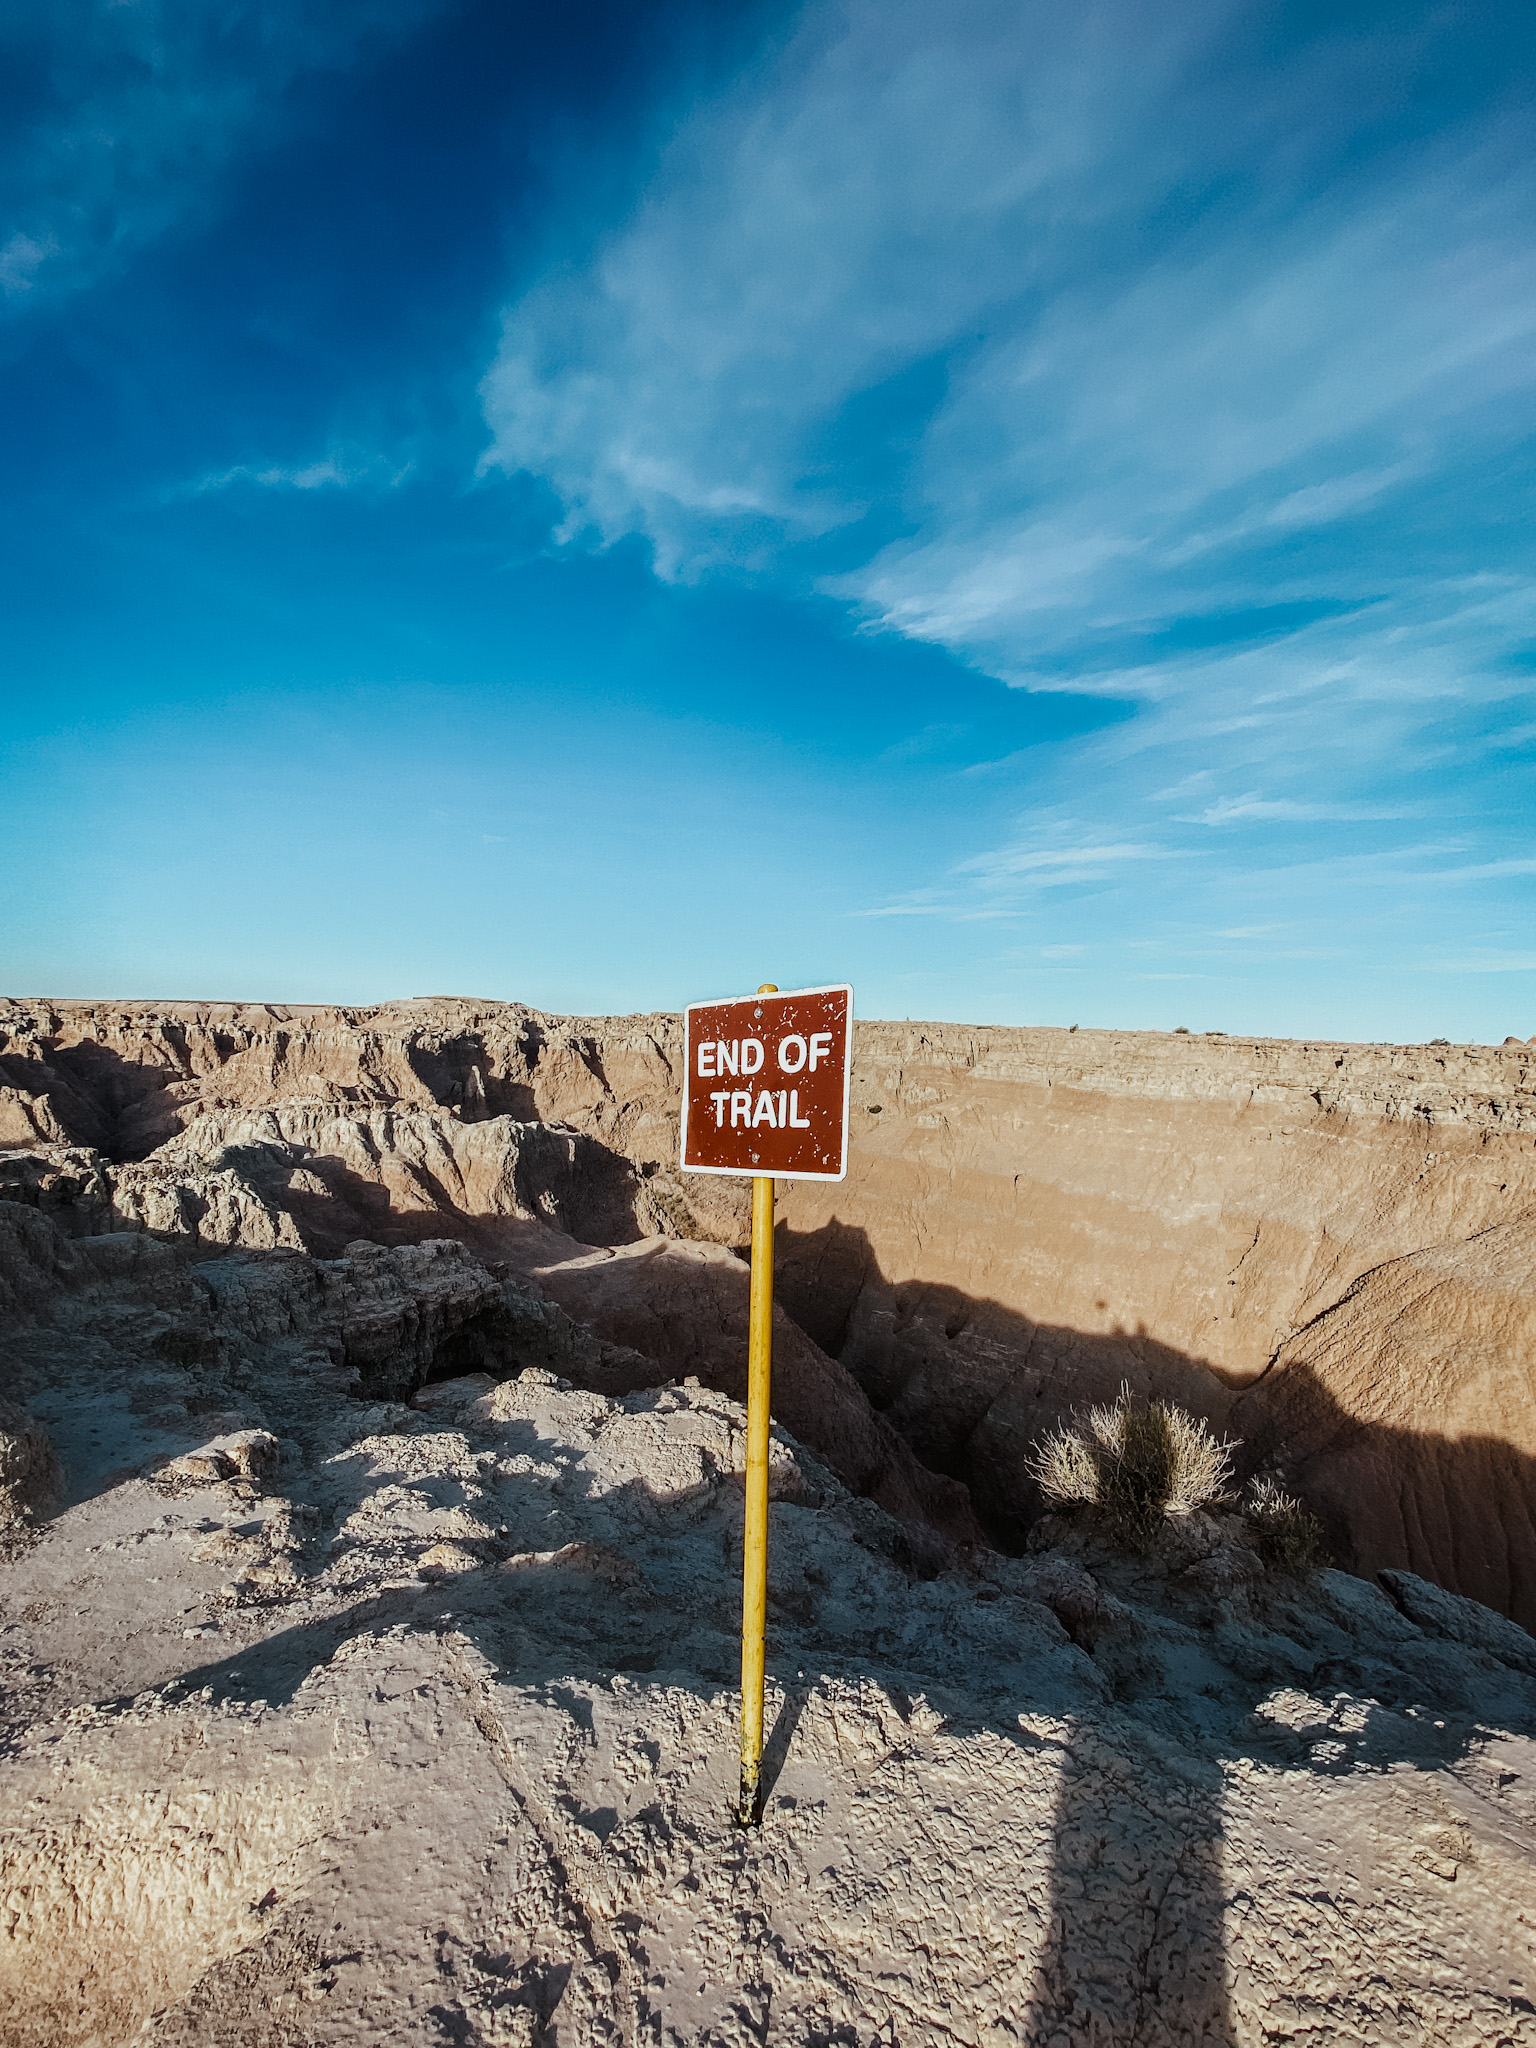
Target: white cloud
pixel 918 746
pixel 1487 963
pixel 1477 871
pixel 854 206
pixel 1086 346
pixel 309 477
pixel 20 260
pixel 975 179
pixel 1233 810
pixel 1120 410
pixel 348 470
pixel 1028 864
pixel 946 912
pixel 1006 881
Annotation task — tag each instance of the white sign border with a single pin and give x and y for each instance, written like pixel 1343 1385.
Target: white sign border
pixel 826 988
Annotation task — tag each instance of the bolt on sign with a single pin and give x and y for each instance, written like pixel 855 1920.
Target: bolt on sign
pixel 766 1093
pixel 767 1086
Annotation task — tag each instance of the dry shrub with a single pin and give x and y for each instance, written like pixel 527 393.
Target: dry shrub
pixel 1201 1463
pixel 1289 1536
pixel 1065 1468
pixel 1135 1465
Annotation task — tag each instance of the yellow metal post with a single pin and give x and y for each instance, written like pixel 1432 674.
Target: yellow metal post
pixel 754 1562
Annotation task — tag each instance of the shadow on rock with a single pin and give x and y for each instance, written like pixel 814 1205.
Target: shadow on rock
pixel 973 1385
pixel 570 1558
pixel 1207 1670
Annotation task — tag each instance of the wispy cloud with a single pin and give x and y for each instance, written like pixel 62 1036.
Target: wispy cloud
pixel 311 476
pixel 22 257
pixel 907 178
pixel 849 209
pixel 1007 880
pixel 1115 360
pixel 945 911
pixel 340 471
pixel 919 745
pixel 1235 810
pixel 1031 865
pixel 1131 418
pixel 1477 871
pixel 128 114
pixel 1487 963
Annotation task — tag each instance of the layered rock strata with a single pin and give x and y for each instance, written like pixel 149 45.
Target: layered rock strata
pixel 1328 1248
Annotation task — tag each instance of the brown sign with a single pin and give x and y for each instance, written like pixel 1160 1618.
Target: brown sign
pixel 767 1084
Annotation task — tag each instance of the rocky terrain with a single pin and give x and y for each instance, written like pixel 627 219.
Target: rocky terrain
pixel 370 1474
pixel 1328 1249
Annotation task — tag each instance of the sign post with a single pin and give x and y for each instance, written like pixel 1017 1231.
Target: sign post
pixel 802 1039
pixel 754 1535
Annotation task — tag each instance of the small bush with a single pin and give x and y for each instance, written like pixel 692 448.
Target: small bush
pixel 1066 1468
pixel 1289 1536
pixel 1135 1465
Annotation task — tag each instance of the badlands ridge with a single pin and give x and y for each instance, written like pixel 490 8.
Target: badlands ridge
pixel 371 1458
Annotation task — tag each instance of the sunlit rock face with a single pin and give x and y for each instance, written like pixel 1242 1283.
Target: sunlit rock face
pixel 1328 1249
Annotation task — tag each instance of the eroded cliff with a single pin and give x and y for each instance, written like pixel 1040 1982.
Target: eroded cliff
pixel 1330 1249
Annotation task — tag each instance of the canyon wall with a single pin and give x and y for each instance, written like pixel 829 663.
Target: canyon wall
pixel 1328 1249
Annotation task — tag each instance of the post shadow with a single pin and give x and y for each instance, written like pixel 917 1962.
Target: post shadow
pixel 1135 1947
pixel 781 1735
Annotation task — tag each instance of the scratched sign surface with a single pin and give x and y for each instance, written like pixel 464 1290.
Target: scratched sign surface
pixel 767 1087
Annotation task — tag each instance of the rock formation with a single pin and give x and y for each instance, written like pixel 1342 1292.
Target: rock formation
pixel 29 1471
pixel 1329 1249
pixel 370 1459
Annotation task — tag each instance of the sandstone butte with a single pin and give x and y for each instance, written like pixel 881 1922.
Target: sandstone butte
pixel 372 1379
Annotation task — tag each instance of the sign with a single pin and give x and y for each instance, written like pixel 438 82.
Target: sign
pixel 766 1091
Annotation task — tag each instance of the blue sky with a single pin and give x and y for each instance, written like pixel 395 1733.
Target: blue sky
pixel 1025 508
